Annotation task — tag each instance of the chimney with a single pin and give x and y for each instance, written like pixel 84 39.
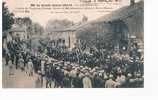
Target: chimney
pixel 132 2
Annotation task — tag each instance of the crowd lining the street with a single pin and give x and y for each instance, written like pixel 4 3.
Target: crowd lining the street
pixel 76 70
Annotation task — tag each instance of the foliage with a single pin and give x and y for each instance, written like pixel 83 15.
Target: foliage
pixel 57 24
pixel 31 27
pixel 7 18
pixel 97 36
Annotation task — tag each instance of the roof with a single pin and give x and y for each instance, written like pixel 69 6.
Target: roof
pixel 131 15
pixel 14 28
pixel 72 28
pixel 17 29
pixel 123 12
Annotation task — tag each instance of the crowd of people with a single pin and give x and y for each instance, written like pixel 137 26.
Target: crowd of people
pixel 75 69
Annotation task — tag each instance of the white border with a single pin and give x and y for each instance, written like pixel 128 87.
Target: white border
pixel 151 70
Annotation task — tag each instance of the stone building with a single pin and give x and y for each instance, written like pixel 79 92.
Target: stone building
pixel 125 22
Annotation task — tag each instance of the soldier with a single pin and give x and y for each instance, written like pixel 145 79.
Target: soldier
pixel 77 81
pixel 7 57
pixel 48 75
pixel 43 67
pixel 21 63
pixel 110 83
pixel 66 80
pixel 39 81
pixel 120 79
pixel 97 81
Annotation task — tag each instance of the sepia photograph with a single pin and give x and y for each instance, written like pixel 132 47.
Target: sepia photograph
pixel 73 44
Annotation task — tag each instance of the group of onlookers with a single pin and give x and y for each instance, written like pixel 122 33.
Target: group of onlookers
pixel 115 71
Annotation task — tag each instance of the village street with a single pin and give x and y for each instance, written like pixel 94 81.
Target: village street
pixel 18 80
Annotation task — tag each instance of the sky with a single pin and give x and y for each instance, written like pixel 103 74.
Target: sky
pixel 43 16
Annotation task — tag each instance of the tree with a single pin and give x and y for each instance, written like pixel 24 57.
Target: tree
pixel 31 27
pixel 38 29
pixel 58 24
pixel 25 22
pixel 7 18
pixel 96 36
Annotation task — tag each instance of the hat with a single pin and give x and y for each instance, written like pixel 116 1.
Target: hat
pixel 101 71
pixel 96 67
pixel 95 73
pixel 138 74
pixel 100 74
pixel 110 76
pixel 89 69
pixel 30 60
pixel 76 69
pixel 86 67
pixel 48 62
pixel 93 69
pixel 81 66
pixel 58 68
pixel 81 75
pixel 39 72
pixel 105 76
pixel 66 72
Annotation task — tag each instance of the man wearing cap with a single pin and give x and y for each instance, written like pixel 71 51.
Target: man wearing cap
pixel 87 81
pixel 58 75
pixel 66 81
pixel 43 66
pixel 77 81
pixel 48 75
pixel 130 82
pixel 120 79
pixel 110 83
pixel 21 63
pixel 97 81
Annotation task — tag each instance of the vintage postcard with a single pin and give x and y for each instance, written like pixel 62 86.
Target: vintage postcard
pixel 73 43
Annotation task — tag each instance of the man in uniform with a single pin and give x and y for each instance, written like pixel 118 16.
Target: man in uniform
pixel 39 81
pixel 43 67
pixel 110 83
pixel 21 63
pixel 66 80
pixel 77 81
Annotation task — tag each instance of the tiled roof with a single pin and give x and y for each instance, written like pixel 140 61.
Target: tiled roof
pixel 123 13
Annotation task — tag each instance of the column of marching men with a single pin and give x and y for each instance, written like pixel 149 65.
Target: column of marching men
pixel 65 74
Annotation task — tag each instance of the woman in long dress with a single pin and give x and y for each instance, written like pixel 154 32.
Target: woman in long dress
pixel 87 81
pixel 30 68
pixel 11 69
